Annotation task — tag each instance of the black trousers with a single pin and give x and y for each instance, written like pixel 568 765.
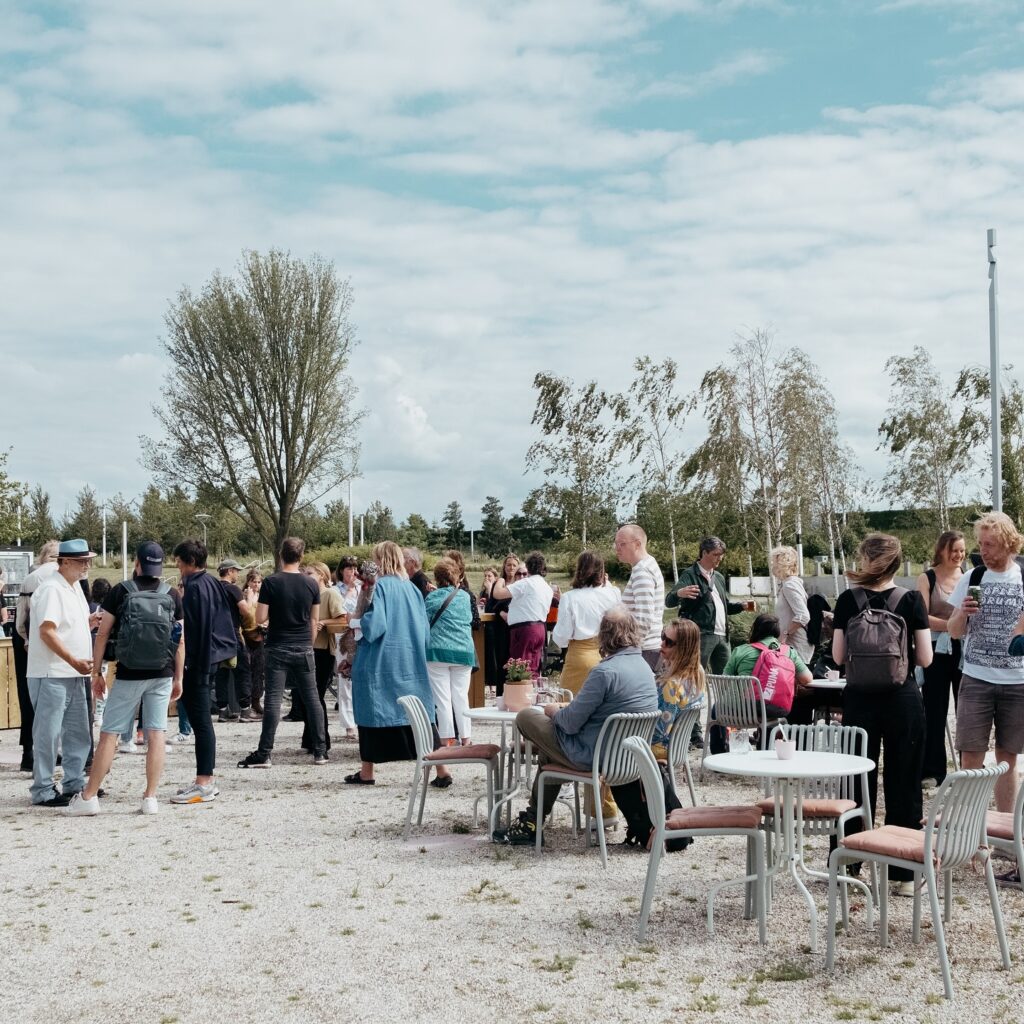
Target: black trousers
pixel 240 676
pixel 941 676
pixel 24 701
pixel 323 664
pixel 195 695
pixel 894 722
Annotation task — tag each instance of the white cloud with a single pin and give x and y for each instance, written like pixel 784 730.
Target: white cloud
pixel 748 64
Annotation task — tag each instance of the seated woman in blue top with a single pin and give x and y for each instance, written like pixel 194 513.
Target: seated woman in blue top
pixel 680 678
pixel 450 656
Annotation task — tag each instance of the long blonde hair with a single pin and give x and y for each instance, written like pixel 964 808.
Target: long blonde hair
pixel 390 561
pixel 683 661
pixel 880 555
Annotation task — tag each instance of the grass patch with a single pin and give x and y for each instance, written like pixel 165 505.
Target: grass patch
pixel 629 985
pixel 707 1003
pixel 784 971
pixel 560 964
pixel 584 922
pixel 489 892
pixel 460 827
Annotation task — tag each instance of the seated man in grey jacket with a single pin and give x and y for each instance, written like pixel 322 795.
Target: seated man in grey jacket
pixel 621 682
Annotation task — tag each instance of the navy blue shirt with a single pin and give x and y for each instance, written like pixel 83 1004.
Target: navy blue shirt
pixel 210 636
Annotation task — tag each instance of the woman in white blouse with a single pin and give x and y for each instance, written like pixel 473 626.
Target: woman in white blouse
pixel 579 618
pixel 791 604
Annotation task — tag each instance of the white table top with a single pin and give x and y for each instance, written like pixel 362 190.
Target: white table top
pixel 493 715
pixel 804 764
pixel 827 684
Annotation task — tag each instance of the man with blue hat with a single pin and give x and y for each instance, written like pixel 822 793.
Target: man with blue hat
pixel 59 667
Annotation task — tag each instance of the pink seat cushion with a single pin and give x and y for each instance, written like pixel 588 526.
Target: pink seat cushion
pixel 889 841
pixel 999 824
pixel 485 751
pixel 814 808
pixel 714 817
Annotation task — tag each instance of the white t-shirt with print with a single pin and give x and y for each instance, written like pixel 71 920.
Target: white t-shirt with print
pixel 531 600
pixel 986 646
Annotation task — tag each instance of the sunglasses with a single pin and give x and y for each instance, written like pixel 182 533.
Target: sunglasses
pixel 667 640
pixel 523 574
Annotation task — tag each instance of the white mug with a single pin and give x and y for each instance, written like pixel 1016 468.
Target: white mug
pixel 785 749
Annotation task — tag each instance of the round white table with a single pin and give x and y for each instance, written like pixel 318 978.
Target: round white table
pixel 827 684
pixel 789 776
pixel 515 756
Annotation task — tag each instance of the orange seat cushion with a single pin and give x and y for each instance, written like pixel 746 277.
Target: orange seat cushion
pixel 999 824
pixel 583 773
pixel 889 841
pixel 714 817
pixel 814 808
pixel 485 751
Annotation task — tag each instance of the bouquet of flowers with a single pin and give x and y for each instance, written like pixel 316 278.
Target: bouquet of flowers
pixel 517 670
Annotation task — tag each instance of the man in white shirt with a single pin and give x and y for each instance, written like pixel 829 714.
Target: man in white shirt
pixel 992 687
pixel 644 594
pixel 59 666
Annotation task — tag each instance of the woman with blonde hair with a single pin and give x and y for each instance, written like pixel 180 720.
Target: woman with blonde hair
pixel 791 602
pixel 390 662
pixel 681 679
pixel 892 713
pixel 579 618
pixel 498 638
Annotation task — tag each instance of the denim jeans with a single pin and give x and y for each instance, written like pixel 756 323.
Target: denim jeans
pixel 61 717
pixel 292 666
pixel 239 678
pixel 184 725
pixel 195 695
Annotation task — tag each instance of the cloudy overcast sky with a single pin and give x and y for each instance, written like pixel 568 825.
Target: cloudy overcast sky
pixel 556 185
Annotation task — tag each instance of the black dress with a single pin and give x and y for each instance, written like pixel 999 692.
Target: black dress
pixel 497 643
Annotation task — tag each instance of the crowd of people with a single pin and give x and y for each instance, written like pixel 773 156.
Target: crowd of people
pixel 382 629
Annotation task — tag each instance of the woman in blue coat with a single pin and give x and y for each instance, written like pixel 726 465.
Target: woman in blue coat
pixel 390 662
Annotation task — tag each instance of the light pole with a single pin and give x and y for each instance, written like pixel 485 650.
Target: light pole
pixel 350 511
pixel 993 340
pixel 203 517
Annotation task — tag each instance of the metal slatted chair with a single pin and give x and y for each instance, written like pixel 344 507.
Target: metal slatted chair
pixel 613 763
pixel 427 758
pixel 1005 831
pixel 734 702
pixel 953 836
pixel 704 821
pixel 679 744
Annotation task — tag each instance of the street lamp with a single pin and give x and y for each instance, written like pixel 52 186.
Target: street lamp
pixel 203 517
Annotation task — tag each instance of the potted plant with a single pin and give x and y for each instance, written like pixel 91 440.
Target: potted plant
pixel 518 684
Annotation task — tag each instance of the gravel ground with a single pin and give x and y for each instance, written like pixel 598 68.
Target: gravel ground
pixel 293 898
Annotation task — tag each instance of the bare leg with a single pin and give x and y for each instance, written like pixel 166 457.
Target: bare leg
pixel 1006 785
pixel 155 752
pixel 101 762
pixel 366 770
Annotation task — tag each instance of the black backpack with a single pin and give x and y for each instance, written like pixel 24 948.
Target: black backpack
pixel 876 644
pixel 145 628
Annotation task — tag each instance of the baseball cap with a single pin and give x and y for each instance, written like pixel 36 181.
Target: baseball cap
pixel 228 563
pixel 151 558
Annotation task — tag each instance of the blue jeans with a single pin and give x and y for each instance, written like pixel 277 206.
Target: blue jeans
pixel 184 725
pixel 61 717
pixel 294 666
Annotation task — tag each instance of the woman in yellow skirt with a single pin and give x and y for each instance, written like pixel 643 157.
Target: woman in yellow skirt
pixel 579 618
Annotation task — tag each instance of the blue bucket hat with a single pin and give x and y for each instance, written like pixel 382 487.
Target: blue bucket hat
pixel 77 548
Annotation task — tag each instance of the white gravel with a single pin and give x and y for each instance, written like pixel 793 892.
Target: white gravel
pixel 293 899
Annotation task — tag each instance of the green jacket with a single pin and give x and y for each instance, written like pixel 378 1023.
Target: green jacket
pixel 700 610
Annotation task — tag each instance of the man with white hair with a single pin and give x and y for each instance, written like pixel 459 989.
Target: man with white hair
pixel 414 569
pixel 644 594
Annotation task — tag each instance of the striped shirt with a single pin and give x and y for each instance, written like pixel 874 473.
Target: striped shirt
pixel 644 596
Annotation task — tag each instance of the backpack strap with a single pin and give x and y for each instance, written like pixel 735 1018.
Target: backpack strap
pixel 860 599
pixel 897 595
pixel 930 573
pixel 131 586
pixel 976 573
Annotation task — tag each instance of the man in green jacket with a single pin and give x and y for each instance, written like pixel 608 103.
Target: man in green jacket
pixel 701 597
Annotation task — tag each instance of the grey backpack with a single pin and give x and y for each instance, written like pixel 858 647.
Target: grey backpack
pixel 145 628
pixel 876 644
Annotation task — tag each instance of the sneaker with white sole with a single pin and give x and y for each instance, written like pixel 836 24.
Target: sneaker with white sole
pixel 195 794
pixel 80 807
pixel 182 737
pixel 907 888
pixel 150 805
pixel 128 748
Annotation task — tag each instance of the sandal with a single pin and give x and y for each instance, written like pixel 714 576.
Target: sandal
pixel 355 779
pixel 441 782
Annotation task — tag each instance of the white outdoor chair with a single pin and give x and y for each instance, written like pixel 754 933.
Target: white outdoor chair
pixel 1003 830
pixel 828 804
pixel 734 702
pixel 700 821
pixel 954 835
pixel 613 764
pixel 679 744
pixel 427 758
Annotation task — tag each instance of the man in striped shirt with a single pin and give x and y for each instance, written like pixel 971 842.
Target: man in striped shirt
pixel 644 594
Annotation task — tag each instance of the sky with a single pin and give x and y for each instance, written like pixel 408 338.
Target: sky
pixel 510 187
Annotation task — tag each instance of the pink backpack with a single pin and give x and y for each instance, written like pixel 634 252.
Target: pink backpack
pixel 776 674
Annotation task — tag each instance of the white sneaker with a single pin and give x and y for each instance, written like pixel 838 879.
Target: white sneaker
pixel 81 808
pixel 168 749
pixel 150 805
pixel 195 794
pixel 904 889
pixel 182 737
pixel 127 748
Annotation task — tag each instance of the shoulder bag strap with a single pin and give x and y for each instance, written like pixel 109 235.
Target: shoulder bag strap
pixel 447 601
